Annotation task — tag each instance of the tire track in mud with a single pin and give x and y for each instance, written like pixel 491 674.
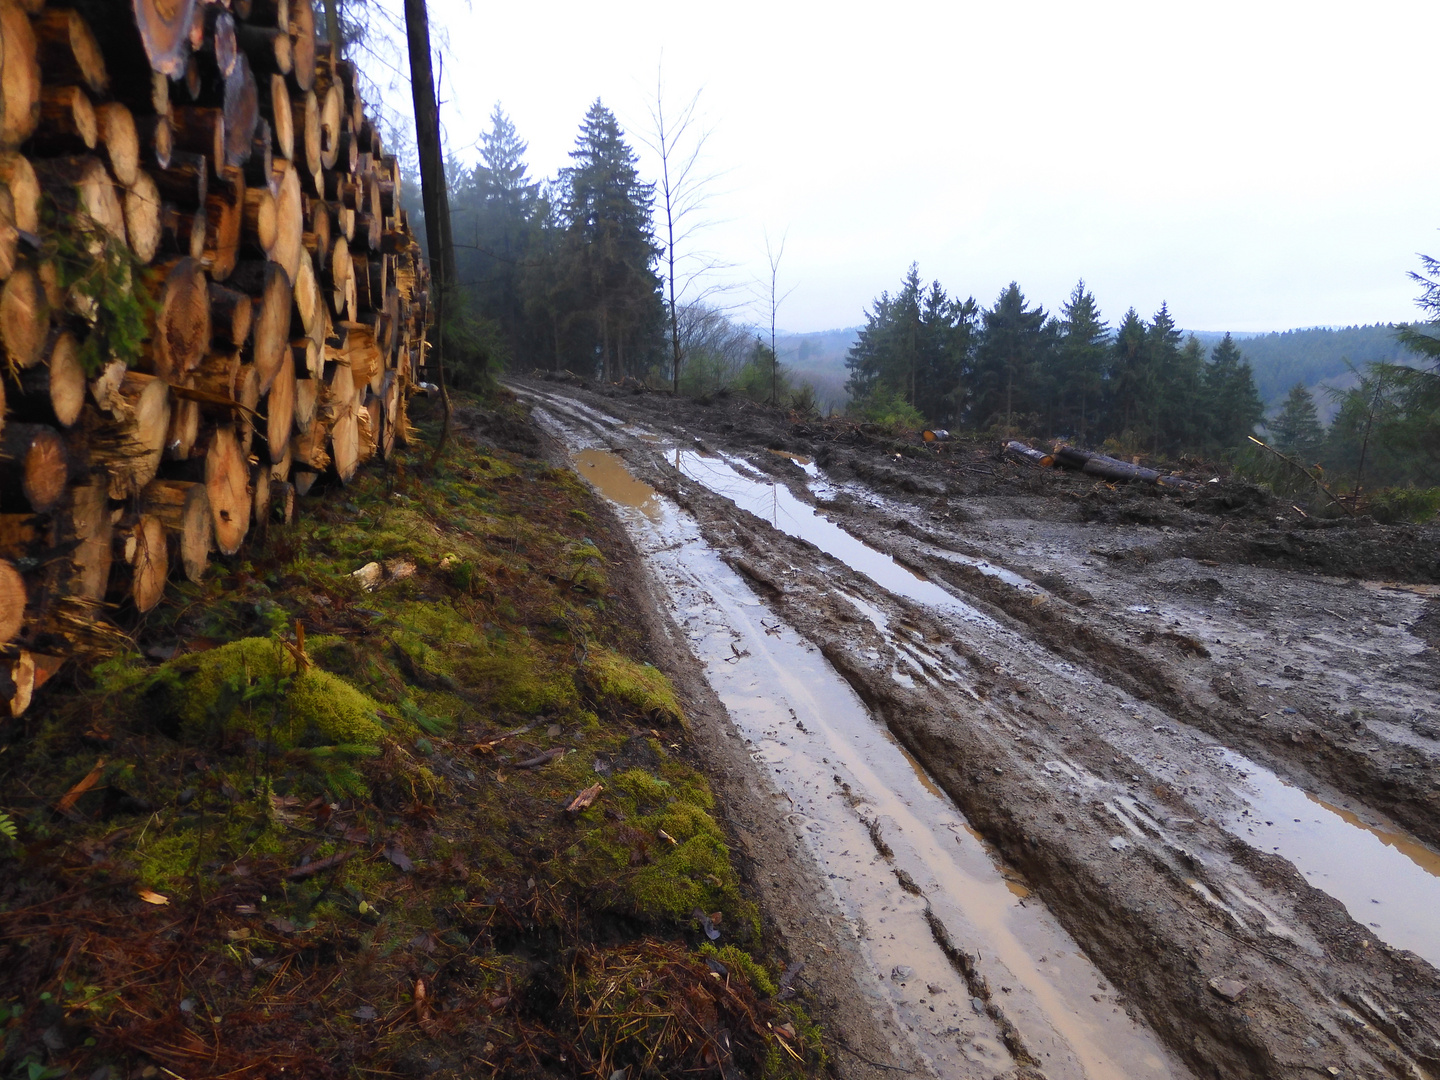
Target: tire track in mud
pixel 1168 906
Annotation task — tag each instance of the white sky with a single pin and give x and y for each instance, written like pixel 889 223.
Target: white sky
pixel 1258 165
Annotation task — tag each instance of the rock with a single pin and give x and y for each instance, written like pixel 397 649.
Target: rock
pixel 1229 989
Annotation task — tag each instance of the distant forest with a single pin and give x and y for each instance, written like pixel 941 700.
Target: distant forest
pixel 575 272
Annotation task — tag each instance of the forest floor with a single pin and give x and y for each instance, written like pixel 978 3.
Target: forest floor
pixel 454 822
pixel 1102 780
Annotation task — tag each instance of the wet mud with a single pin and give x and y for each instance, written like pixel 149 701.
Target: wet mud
pixel 1152 805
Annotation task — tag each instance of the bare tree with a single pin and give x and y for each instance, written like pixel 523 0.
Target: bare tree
pixel 679 139
pixel 776 299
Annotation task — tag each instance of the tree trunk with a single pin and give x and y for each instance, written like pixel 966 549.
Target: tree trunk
pixel 182 327
pixel 53 392
pixel 20 81
pixel 142 217
pixel 24 317
pixel 268 283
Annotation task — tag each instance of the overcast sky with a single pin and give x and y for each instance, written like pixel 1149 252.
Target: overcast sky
pixel 1258 165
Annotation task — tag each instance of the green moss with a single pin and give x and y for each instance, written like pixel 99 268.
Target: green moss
pixel 631 688
pixel 737 959
pixel 253 686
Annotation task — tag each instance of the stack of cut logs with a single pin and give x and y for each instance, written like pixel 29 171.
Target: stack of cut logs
pixel 211 298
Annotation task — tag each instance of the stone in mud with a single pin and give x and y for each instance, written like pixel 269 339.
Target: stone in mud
pixel 1229 989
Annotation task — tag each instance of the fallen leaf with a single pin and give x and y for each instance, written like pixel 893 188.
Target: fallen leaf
pixel 153 897
pixel 666 836
pixel 369 576
pixel 585 798
pixel 70 798
pixel 318 866
pixel 396 854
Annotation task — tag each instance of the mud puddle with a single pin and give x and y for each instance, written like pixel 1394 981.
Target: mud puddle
pixel 981 976
pixel 1386 880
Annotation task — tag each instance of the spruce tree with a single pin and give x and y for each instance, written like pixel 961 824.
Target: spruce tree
pixel 1082 354
pixel 1128 385
pixel 1296 429
pixel 610 252
pixel 1013 345
pixel 1234 405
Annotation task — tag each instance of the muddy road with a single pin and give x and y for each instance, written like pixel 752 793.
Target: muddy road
pixel 1103 783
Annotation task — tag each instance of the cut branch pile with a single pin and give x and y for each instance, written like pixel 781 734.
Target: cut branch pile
pixel 209 298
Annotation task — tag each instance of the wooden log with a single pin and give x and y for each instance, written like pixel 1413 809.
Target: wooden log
pixel 220 45
pixel 308 452
pixel 231 314
pixel 270 287
pixel 367 365
pixel 67 122
pixel 142 216
pixel 84 196
pixel 141 544
pixel 242 113
pixel 9 234
pixel 17 174
pixel 52 392
pixel 129 449
pixel 338 277
pixel 157 140
pixel 1018 451
pixel 290 222
pixel 338 408
pixel 201 130
pixel 118 141
pixel 34 465
pixel 219 373
pixel 247 393
pixel 260 496
pixel 332 109
pixel 24 317
pixel 12 602
pixel 302 38
pixel 19 76
pixel 279 409
pixel 164 27
pixel 392 404
pixel 69 52
pixel 227 485
pixel 89 526
pixel 184 428
pixel 224 222
pixel 182 325
pixel 268 49
pixel 307 400
pixel 182 232
pixel 305 120
pixel 184 509
pixel 275 101
pixel 274 14
pixel 185 181
pixel 309 303
pixel 370 421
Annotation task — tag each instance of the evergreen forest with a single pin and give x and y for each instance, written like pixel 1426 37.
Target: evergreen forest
pixel 569 273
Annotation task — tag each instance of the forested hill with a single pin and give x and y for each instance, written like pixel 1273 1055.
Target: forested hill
pixel 1312 356
pixel 1281 359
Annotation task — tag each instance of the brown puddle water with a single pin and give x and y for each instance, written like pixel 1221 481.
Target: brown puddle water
pixel 850 787
pixel 609 476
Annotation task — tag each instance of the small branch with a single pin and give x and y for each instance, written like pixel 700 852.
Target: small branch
pixel 1313 478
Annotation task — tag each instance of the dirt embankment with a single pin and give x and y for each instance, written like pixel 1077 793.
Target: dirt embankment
pixel 1080 702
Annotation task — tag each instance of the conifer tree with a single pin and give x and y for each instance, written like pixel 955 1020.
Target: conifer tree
pixel 610 250
pixel 1129 377
pixel 1082 354
pixel 1234 405
pixel 1013 345
pixel 1296 429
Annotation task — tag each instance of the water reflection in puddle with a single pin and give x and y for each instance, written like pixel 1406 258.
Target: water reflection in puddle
pixel 776 504
pixel 1387 882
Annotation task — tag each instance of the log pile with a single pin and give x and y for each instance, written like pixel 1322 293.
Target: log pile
pixel 210 298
